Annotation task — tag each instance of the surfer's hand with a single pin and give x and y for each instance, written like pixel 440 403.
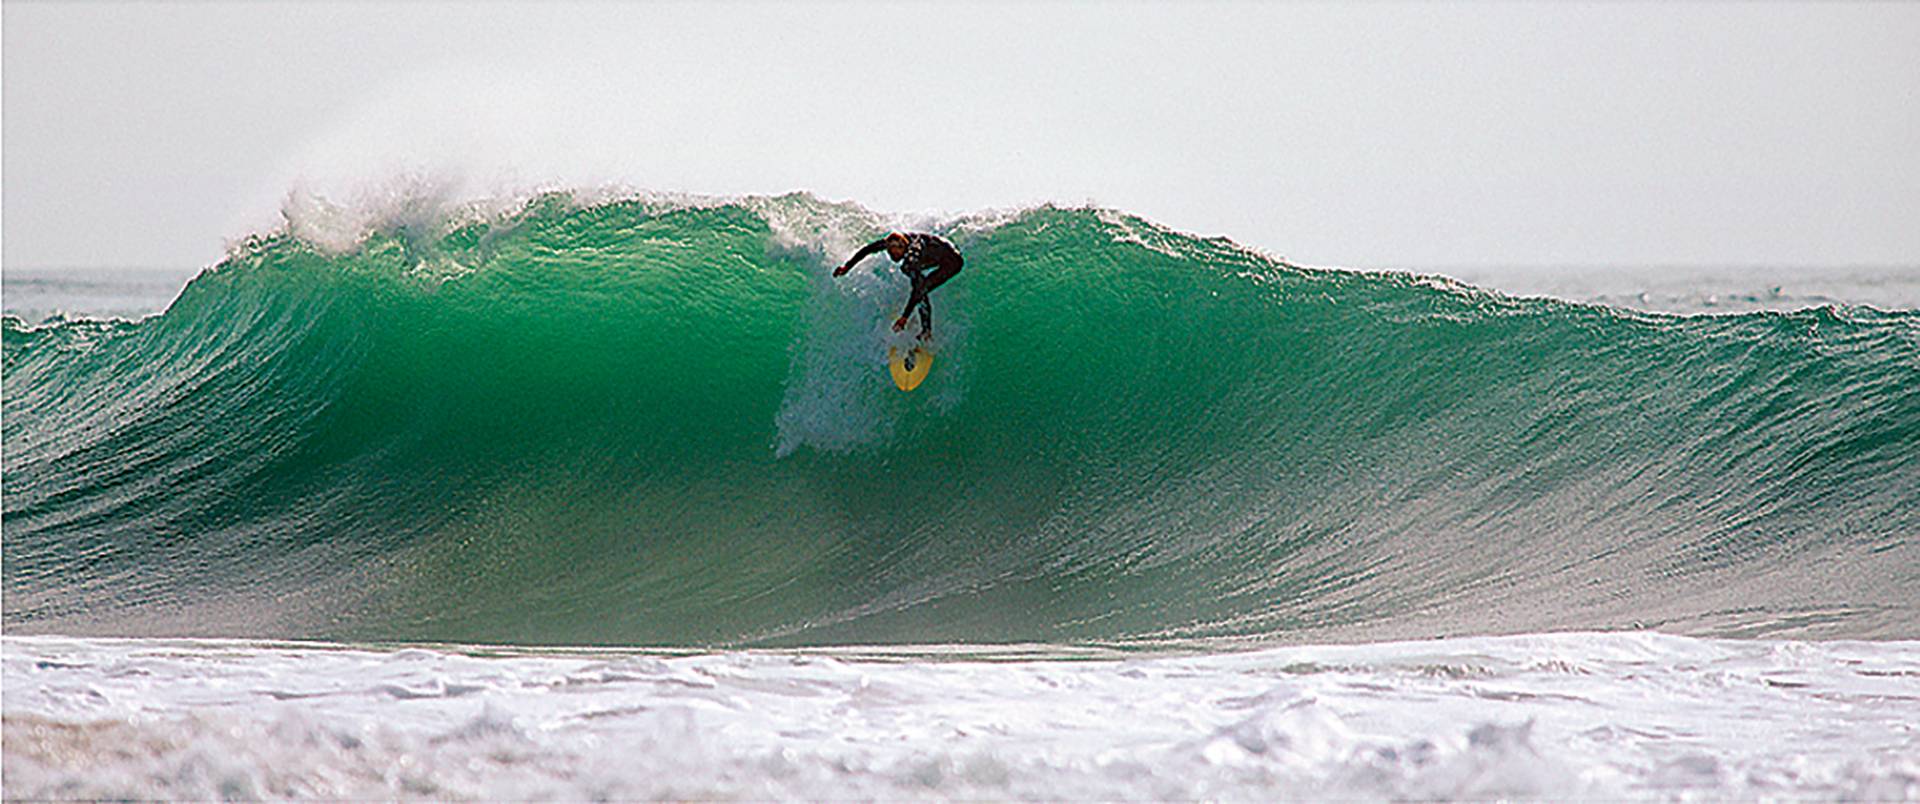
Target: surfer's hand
pixel 899 323
pixel 843 269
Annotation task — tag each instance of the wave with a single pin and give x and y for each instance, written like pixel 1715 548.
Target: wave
pixel 638 422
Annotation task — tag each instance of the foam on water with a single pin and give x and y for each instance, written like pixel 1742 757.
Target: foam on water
pixel 1561 715
pixel 1710 289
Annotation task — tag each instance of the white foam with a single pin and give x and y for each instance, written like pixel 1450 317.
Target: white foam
pixel 1587 715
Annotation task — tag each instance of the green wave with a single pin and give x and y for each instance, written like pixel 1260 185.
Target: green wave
pixel 640 423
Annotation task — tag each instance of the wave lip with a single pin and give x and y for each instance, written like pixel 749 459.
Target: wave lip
pixel 640 422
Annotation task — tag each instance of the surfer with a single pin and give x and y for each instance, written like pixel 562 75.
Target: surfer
pixel 928 261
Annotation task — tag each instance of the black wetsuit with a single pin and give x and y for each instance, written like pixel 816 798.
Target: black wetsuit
pixel 925 252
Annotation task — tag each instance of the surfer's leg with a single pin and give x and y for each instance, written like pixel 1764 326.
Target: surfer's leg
pixel 939 277
pixel 944 272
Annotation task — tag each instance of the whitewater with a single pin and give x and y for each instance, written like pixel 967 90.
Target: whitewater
pixel 584 496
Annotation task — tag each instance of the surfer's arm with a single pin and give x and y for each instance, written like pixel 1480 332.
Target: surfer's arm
pixel 860 255
pixel 915 298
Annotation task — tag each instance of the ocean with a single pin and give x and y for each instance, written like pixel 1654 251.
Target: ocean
pixel 611 498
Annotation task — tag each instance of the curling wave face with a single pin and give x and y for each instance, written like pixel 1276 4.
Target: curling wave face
pixel 644 423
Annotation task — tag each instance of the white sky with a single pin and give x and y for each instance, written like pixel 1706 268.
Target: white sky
pixel 1364 135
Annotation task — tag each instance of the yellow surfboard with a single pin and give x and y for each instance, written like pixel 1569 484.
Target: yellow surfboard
pixel 909 367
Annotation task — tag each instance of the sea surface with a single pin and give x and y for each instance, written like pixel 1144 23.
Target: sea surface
pixel 611 498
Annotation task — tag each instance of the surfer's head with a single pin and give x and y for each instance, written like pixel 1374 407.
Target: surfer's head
pixel 897 246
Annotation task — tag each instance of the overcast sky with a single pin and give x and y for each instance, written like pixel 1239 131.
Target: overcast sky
pixel 1380 135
